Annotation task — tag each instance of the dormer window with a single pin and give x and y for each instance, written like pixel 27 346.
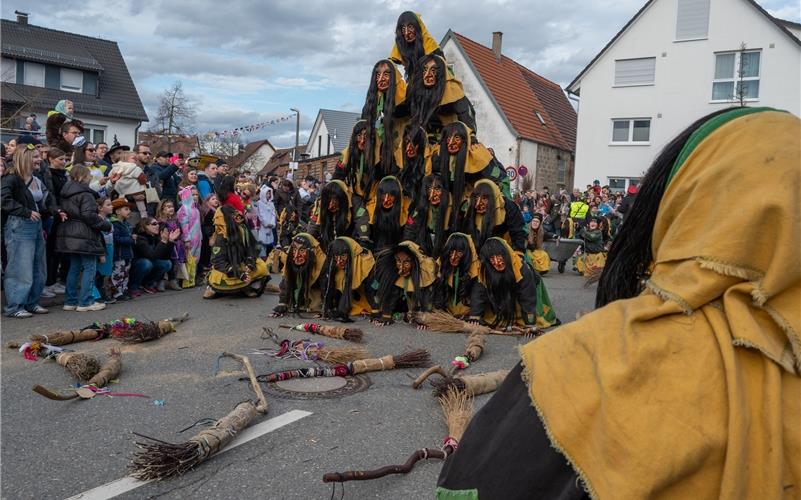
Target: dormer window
pixel 71 80
pixel 539 117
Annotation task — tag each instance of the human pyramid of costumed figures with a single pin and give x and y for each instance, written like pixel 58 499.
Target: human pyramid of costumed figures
pixel 418 214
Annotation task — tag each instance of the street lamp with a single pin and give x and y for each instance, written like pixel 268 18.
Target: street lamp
pixel 297 134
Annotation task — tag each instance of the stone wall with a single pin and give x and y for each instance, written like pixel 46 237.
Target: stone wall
pixel 548 159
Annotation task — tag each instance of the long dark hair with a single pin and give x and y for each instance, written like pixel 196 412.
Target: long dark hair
pixel 240 246
pixel 630 254
pixel 387 274
pixel 411 53
pixel 422 238
pixel 353 157
pixel 454 185
pixel 342 306
pixel 499 285
pixel 488 222
pixel 331 227
pixel 415 168
pixel 227 186
pixel 387 229
pixel 369 113
pixel 459 243
pixel 295 273
pixel 424 101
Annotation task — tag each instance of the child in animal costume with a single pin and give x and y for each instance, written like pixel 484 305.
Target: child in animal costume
pixel 348 285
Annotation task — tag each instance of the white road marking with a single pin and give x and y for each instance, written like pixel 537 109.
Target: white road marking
pixel 128 483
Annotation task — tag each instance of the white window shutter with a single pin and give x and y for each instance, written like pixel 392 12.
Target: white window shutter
pixel 635 71
pixel 692 19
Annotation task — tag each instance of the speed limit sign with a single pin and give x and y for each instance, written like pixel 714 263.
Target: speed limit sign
pixel 511 172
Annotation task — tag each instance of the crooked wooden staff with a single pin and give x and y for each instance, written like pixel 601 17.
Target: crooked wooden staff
pixel 457 409
pixel 81 366
pixel 159 460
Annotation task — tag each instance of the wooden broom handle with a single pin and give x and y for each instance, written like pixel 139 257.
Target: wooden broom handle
pixel 261 407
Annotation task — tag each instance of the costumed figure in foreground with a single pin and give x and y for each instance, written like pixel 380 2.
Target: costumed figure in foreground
pixel 385 99
pixel 458 273
pixel 388 212
pixel 429 224
pixel 462 162
pixel 490 214
pixel 538 257
pixel 436 98
pixel 288 227
pixel 338 213
pixel 412 41
pixel 300 287
pixel 689 370
pixel 406 277
pixel 235 263
pixel 348 285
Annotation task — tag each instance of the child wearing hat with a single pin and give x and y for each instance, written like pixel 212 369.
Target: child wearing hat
pixel 123 248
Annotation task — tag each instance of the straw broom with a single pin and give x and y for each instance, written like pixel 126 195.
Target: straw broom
pixel 80 365
pixel 457 410
pixel 473 385
pixel 108 371
pixel 409 359
pixel 442 322
pixel 313 351
pixel 159 460
pixel 335 332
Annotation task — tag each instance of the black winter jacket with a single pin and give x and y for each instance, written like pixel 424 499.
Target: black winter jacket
pixel 80 233
pixel 150 247
pixel 16 198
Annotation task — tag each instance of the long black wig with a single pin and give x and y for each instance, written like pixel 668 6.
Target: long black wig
pixel 387 275
pixel 298 283
pixel 488 222
pixel 424 101
pixel 630 254
pixel 336 225
pixel 413 168
pixel 460 244
pixel 440 225
pixel 355 158
pixel 454 182
pixel 387 229
pixel 337 305
pixel 411 52
pixel 499 285
pixel 386 118
pixel 240 245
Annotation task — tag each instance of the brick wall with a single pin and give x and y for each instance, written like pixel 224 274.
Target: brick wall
pixel 548 160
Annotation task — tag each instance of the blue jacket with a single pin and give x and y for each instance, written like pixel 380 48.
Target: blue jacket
pixel 123 241
pixel 204 185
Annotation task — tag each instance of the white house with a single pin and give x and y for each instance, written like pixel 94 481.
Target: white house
pixel 41 66
pixel 672 63
pixel 526 119
pixel 253 158
pixel 330 133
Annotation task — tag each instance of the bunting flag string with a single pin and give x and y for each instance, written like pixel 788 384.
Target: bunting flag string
pixel 235 131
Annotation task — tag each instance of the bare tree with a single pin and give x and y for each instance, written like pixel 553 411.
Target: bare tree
pixel 176 113
pixel 225 146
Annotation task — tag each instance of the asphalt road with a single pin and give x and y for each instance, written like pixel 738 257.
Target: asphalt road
pixel 53 449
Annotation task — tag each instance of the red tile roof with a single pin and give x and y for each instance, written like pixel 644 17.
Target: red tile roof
pixel 521 93
pixel 239 159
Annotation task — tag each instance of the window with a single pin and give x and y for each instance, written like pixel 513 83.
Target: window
pixel 8 70
pixel 94 133
pixel 539 117
pixel 631 131
pixel 620 184
pixel 692 19
pixel 34 74
pixel 71 80
pixel 561 170
pixel 635 71
pixel 319 145
pixel 736 75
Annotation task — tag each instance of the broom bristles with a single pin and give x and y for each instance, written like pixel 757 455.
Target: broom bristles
pixel 412 359
pixel 341 332
pixel 159 460
pixel 79 365
pixel 445 384
pixel 341 355
pixel 457 410
pixel 441 321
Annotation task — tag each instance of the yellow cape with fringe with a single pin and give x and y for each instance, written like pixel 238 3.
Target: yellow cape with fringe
pixel 692 388
pixel 404 200
pixel 429 44
pixel 460 309
pixel 362 262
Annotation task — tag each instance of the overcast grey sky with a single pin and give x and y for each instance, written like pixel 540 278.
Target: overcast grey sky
pixel 248 61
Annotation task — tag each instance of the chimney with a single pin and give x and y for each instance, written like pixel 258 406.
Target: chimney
pixel 22 17
pixel 497 39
